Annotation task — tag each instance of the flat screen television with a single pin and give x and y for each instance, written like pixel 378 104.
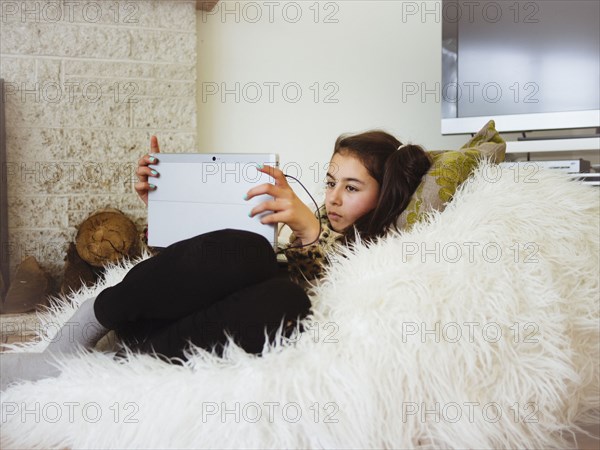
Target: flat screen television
pixel 527 65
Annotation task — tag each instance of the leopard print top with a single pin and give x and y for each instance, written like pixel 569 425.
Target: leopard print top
pixel 306 264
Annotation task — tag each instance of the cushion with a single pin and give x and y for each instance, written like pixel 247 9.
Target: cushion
pixel 448 171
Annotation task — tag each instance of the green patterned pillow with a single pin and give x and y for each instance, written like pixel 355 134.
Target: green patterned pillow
pixel 449 169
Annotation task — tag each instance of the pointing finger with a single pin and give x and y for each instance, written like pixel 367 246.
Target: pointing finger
pixel 274 172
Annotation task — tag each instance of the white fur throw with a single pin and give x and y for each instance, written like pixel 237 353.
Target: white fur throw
pixel 415 342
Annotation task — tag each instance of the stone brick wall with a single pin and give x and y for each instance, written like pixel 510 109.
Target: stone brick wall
pixel 87 84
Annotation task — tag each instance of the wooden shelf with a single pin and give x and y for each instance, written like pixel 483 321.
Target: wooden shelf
pixel 553 145
pixel 206 5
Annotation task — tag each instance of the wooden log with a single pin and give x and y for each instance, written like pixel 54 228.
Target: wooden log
pixel 28 290
pixel 107 236
pixel 77 272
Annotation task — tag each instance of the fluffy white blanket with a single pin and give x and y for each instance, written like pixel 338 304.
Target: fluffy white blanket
pixel 476 329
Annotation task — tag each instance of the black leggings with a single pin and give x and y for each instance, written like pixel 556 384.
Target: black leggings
pixel 199 289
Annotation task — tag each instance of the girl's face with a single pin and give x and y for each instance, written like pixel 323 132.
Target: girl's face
pixel 351 191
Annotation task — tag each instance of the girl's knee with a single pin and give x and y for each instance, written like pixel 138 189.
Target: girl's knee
pixel 237 243
pixel 250 239
pixel 289 297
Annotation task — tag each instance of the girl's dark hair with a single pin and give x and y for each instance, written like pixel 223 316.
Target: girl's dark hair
pixel 398 172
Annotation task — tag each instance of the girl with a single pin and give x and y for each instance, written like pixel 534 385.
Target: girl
pixel 201 289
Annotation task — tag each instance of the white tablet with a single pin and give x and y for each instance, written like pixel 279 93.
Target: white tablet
pixel 198 193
